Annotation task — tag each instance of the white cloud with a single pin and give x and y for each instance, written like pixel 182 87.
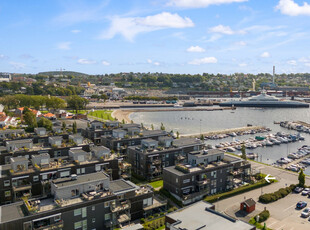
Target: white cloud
pixel 221 29
pixel 129 27
pixel 84 61
pixel 265 55
pixel 64 46
pixel 199 3
pixel 243 64
pixel 18 65
pixel 205 60
pixel 149 61
pixel 291 8
pixel 75 31
pixel 292 62
pixel 195 49
pixel 105 63
pixel 2 56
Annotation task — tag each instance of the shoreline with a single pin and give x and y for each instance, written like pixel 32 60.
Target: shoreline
pixel 120 115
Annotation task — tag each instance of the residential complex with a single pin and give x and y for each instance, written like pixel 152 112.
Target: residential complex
pixel 149 158
pixel 207 172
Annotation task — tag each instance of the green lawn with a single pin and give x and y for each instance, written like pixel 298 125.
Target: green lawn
pixel 102 114
pixel 157 184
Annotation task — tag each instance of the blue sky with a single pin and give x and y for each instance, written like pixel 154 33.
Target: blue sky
pixel 171 36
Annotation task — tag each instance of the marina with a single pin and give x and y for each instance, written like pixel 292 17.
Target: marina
pixel 218 122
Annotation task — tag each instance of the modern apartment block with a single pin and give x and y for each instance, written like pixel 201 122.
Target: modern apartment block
pixel 55 146
pixel 149 158
pixel 207 172
pixel 88 201
pixel 32 175
pixel 202 215
pixel 120 139
pixel 98 129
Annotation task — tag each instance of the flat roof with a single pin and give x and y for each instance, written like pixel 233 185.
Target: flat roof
pixel 18 159
pixel 204 153
pixel 12 131
pixel 64 182
pixel 153 132
pixel 11 212
pixel 19 141
pixel 99 147
pixel 120 186
pixel 186 141
pixel 56 137
pixel 201 216
pixel 77 151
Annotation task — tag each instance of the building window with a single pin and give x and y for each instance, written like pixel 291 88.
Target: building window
pixel 35 178
pixel 44 177
pixel 167 155
pixel 93 208
pixel 106 204
pixel 107 216
pixel 98 168
pixel 7 193
pixel 84 224
pixel 74 192
pixel 7 183
pixel 176 180
pixel 93 220
pixel 78 225
pixel 78 171
pixel 84 212
pixel 82 170
pixel 193 178
pixel 77 212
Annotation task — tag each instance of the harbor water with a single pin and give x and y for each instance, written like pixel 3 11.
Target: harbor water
pixel 195 122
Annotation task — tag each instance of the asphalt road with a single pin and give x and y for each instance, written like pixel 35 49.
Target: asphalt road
pixel 283 214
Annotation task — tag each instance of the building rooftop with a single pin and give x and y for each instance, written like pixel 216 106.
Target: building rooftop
pixel 205 153
pixel 7 131
pixel 19 141
pixel 201 216
pixel 121 186
pixel 56 138
pixel 11 212
pixel 100 148
pixel 185 142
pixel 82 179
pixel 18 159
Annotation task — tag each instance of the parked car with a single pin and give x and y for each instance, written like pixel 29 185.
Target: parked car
pixel 298 189
pixel 301 204
pixel 305 212
pixel 305 192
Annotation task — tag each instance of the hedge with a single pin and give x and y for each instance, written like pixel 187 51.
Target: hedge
pixel 263 216
pixel 237 191
pixel 271 197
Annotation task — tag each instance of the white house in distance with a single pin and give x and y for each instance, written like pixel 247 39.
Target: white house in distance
pixel 5 77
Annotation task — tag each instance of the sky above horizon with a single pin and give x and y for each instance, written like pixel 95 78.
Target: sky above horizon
pixel 169 36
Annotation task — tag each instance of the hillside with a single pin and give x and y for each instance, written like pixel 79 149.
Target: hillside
pixel 77 74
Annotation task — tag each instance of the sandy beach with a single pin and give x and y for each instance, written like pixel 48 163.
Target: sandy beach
pixel 122 115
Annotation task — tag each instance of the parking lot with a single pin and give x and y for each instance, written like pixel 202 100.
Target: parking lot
pixel 284 214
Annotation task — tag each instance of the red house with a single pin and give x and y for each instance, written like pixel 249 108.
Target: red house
pixel 248 205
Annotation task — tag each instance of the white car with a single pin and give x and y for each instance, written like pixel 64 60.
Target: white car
pixel 305 192
pixel 306 212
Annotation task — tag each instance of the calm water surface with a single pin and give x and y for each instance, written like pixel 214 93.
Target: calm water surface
pixel 195 122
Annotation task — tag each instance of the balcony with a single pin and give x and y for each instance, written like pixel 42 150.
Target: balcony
pixel 56 226
pixel 22 187
pixel 120 206
pixel 203 182
pixel 123 218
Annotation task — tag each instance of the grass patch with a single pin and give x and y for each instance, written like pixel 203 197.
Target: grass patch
pixel 102 114
pixel 258 225
pixel 157 184
pixel 237 191
pixel 156 224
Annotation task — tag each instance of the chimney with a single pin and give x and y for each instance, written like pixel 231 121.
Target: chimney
pixel 273 75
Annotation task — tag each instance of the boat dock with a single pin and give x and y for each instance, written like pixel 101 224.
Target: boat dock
pixel 225 131
pixel 302 123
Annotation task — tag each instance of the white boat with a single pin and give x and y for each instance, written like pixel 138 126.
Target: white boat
pixel 177 105
pixel 231 149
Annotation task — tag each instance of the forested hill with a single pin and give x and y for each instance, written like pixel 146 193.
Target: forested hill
pixel 51 73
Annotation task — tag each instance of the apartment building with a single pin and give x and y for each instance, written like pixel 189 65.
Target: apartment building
pixel 207 172
pixel 32 175
pixel 88 201
pixel 149 158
